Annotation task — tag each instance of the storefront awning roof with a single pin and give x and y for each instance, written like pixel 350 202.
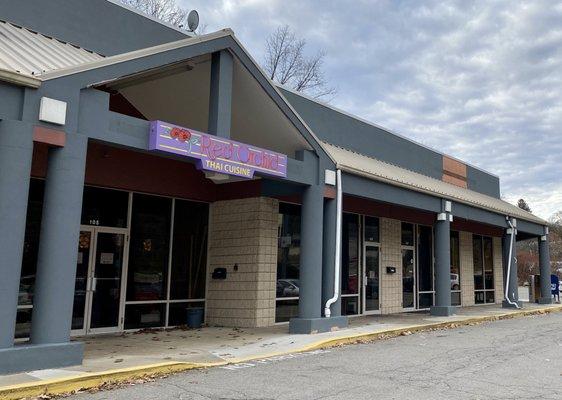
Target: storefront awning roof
pixel 372 168
pixel 25 52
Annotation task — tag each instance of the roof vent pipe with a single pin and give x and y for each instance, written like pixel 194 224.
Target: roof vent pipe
pixel 511 240
pixel 337 261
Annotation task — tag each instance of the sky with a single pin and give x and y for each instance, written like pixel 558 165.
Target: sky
pixel 479 80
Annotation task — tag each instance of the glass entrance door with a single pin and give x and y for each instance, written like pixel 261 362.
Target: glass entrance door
pixel 372 279
pixel 106 282
pixel 98 296
pixel 408 279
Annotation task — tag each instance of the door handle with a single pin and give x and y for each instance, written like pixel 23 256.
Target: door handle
pixel 94 284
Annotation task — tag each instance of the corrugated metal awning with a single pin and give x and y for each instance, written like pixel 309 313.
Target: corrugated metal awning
pixel 30 53
pixel 368 167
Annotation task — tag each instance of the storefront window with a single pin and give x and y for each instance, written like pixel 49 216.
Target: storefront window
pixel 455 270
pixel 350 264
pixel 425 267
pixel 372 229
pixel 105 207
pixel 407 234
pixel 288 262
pixel 483 269
pixel 189 255
pixel 29 261
pixel 149 248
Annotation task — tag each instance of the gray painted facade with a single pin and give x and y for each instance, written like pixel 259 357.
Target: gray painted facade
pixel 343 130
pixel 89 119
pixel 96 25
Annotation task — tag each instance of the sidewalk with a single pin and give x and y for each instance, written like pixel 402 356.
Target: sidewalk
pixel 114 358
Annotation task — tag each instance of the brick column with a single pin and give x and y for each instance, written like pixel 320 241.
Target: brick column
pixel 243 236
pixel 467 269
pixel 391 256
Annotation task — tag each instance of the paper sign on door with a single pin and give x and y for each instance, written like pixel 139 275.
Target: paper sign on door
pixel 106 258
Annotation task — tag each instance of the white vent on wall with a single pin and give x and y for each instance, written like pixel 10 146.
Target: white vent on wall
pixel 53 111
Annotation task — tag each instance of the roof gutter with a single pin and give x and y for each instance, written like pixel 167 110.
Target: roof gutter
pixel 18 79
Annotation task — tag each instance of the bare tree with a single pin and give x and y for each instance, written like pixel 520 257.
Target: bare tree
pixel 287 64
pixel 165 10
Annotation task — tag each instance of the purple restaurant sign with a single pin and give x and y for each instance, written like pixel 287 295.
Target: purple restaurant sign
pixel 215 153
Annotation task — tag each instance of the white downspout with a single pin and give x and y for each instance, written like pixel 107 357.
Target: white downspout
pixel 512 237
pixel 337 261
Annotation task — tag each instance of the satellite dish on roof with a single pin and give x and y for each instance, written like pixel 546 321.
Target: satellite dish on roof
pixel 193 20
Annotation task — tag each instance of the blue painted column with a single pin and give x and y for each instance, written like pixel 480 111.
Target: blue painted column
pixel 60 229
pixel 220 99
pixel 442 246
pixel 544 265
pixel 513 292
pixel 329 256
pixel 16 152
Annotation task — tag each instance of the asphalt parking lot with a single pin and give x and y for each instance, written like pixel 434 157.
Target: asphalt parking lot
pixel 510 359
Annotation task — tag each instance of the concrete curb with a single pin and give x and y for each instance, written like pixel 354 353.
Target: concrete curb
pixel 94 380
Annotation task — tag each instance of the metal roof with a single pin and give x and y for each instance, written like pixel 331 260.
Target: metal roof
pixel 30 53
pixel 368 167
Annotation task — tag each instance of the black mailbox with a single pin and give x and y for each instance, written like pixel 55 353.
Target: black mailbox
pixel 219 273
pixel 390 270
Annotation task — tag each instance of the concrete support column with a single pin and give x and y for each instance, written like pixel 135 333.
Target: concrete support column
pixel 310 302
pixel 220 100
pixel 442 247
pixel 329 257
pixel 16 151
pixel 544 265
pixel 513 291
pixel 310 290
pixel 60 228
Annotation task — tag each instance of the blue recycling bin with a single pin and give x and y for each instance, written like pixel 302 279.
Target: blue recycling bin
pixel 195 317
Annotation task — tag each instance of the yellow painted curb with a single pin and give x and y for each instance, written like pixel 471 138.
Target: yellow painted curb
pixel 89 380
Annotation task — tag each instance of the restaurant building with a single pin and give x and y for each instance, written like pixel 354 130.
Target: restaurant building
pixel 145 171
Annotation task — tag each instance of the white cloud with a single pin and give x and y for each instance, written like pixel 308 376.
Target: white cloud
pixel 477 79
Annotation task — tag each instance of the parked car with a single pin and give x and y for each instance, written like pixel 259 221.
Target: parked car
pixel 287 288
pixel 455 282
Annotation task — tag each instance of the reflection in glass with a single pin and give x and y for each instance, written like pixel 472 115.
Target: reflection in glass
pixel 350 254
pixel 372 229
pixel 288 255
pixel 178 312
pixel 350 305
pixel 31 243
pixel 407 234
pixel 483 251
pixel 455 269
pixel 286 309
pixel 144 315
pixel 23 323
pixel 372 278
pixel 488 263
pixel 149 248
pixel 425 260
pixel 478 262
pixel 106 285
pixel 407 278
pixel 288 261
pixel 104 207
pixel 189 254
pixel 80 285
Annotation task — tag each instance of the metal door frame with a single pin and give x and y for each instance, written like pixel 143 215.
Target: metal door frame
pixel 363 269
pixel 94 231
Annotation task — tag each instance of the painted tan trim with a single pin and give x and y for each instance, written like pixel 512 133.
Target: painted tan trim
pixel 19 79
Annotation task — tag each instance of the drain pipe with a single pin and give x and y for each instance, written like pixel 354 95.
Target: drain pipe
pixel 509 262
pixel 337 261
